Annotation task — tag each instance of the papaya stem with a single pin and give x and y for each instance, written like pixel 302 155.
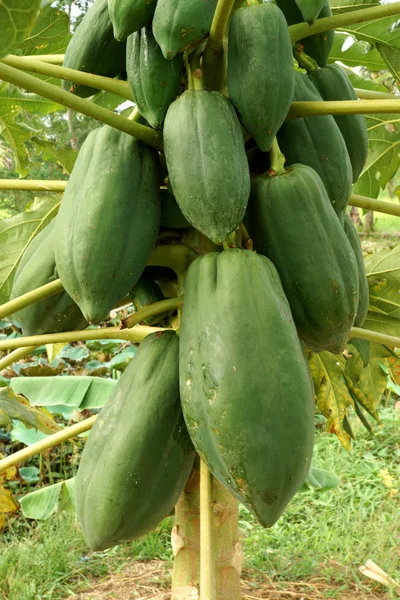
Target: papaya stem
pixel 52 92
pixel 49 442
pixel 383 206
pixel 49 289
pixel 343 107
pixel 134 335
pixel 230 241
pixel 207 535
pixel 277 159
pixel 302 30
pixel 155 308
pixel 375 337
pixel 53 59
pixel 114 86
pixel 214 58
pixel 33 185
pixel 305 61
pixel 14 356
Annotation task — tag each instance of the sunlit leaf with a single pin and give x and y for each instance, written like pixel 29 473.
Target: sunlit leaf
pixel 15 135
pixel 17 407
pixel 50 35
pixel 16 234
pixel 332 394
pixel 16 20
pixel 12 99
pixel 339 6
pixel 42 503
pixel 383 31
pixel 65 157
pixel 391 56
pixel 359 53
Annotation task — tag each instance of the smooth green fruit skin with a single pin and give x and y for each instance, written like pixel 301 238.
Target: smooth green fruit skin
pixel 310 9
pixel 246 394
pixel 317 46
pixel 154 80
pixel 333 84
pixel 292 222
pixel 179 25
pixel 207 164
pixel 171 214
pixel 94 49
pixel 128 16
pixel 260 70
pixel 138 457
pixel 318 143
pixel 363 298
pixel 37 267
pixel 108 222
pixel 147 291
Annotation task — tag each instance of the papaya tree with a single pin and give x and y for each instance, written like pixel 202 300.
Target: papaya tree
pixel 215 206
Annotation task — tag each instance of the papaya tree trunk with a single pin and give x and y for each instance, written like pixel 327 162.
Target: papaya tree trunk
pixel 186 543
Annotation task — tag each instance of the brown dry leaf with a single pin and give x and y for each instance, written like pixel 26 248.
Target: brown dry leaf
pixel 9 474
pixel 18 407
pixel 7 506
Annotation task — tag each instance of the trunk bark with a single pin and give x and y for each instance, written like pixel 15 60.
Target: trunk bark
pixel 369 222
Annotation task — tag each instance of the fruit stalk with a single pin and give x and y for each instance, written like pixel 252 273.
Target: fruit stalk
pixel 343 107
pixel 303 30
pixel 49 442
pixel 214 60
pixel 52 92
pixel 114 86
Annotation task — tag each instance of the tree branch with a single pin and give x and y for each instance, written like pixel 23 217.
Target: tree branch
pixel 302 30
pixel 115 86
pixel 52 92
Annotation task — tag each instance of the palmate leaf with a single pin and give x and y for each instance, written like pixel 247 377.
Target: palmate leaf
pixel 380 31
pixel 16 20
pixel 12 100
pixel 65 157
pixel 16 234
pixel 339 6
pixel 383 154
pixel 50 35
pixel 360 53
pixel 15 135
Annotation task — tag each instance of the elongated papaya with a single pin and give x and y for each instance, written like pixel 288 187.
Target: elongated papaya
pixel 154 80
pixel 146 291
pixel 292 222
pixel 180 25
pixel 246 394
pixel 94 49
pixel 363 297
pixel 128 16
pixel 36 268
pixel 138 457
pixel 108 222
pixel 319 45
pixel 207 164
pixel 318 143
pixel 260 70
pixel 333 84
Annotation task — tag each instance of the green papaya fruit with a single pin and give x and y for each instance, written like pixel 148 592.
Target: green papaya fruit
pixel 333 84
pixel 179 25
pixel 108 222
pixel 94 49
pixel 318 143
pixel 207 164
pixel 147 291
pixel 260 52
pixel 310 9
pixel 292 222
pixel 138 457
pixel 247 397
pixel 154 80
pixel 363 297
pixel 37 267
pixel 128 16
pixel 171 214
pixel 319 45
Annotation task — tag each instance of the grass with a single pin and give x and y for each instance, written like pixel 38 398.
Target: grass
pixel 329 535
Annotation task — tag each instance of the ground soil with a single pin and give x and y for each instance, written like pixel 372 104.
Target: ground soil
pixel 152 580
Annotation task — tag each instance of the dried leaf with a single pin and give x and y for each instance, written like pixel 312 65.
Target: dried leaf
pixel 17 407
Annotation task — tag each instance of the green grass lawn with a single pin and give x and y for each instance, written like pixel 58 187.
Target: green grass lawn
pixel 326 535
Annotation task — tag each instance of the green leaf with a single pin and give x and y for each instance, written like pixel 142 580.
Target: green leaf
pixel 339 6
pixel 320 480
pixel 391 56
pixel 12 100
pixel 17 407
pixel 16 134
pixel 23 435
pixel 29 474
pixel 108 100
pixel 363 348
pixel 383 155
pixel 65 157
pixel 333 396
pixel 383 31
pixel 382 323
pixel 79 392
pixel 16 234
pixel 50 35
pixel 42 503
pixel 360 53
pixel 16 20
pixel 74 353
pixel 122 359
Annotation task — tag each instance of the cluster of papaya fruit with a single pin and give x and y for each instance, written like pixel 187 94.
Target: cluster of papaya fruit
pixel 232 383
